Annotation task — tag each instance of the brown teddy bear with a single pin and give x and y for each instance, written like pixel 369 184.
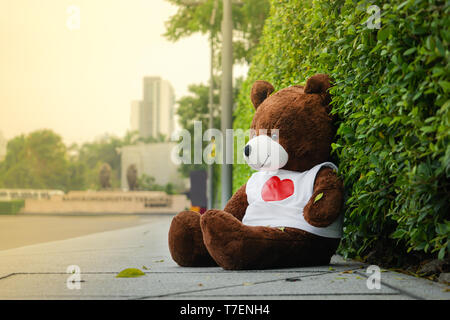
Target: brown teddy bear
pixel 288 214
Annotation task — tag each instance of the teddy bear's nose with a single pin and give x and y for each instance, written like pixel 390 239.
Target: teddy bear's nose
pixel 247 150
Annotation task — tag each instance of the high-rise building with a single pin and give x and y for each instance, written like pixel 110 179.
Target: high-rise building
pixel 154 114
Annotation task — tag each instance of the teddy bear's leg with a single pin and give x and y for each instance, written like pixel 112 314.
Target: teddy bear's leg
pixel 234 245
pixel 186 241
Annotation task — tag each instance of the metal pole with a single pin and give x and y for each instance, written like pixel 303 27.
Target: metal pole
pixel 211 125
pixel 211 107
pixel 227 100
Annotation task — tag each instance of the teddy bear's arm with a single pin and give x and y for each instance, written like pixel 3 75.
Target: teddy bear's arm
pixel 322 210
pixel 237 204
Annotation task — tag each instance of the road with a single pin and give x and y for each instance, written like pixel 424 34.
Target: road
pixel 22 230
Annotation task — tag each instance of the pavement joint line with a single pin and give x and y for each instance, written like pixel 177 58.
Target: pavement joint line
pixel 158 272
pixel 60 297
pixel 404 292
pixel 186 272
pixel 223 287
pixel 7 276
pixel 301 294
pixel 318 273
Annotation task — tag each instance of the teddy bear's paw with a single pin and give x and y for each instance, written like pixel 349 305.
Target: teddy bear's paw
pixel 186 241
pixel 222 235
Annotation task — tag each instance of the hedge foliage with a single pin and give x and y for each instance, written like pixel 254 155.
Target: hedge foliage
pixel 392 102
pixel 11 206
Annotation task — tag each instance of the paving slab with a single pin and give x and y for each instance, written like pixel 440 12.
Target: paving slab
pixel 40 272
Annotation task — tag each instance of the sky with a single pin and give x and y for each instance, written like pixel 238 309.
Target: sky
pixel 75 66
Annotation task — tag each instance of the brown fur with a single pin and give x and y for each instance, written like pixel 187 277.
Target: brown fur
pixel 186 241
pixel 301 114
pixel 261 90
pixel 324 212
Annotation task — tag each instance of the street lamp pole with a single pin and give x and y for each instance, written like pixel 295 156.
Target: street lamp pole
pixel 227 100
pixel 211 106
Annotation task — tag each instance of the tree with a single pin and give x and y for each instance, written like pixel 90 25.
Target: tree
pixel 38 160
pixel 195 17
pixel 147 183
pixel 194 107
pixel 131 138
pixel 94 154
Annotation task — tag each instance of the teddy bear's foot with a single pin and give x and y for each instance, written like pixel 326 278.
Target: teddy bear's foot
pixel 235 246
pixel 186 241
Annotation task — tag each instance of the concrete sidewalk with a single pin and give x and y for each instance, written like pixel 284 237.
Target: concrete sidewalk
pixel 40 272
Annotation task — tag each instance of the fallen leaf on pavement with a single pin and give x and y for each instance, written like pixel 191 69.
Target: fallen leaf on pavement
pixel 130 273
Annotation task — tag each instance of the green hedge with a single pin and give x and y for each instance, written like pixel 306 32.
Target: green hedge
pixel 11 207
pixel 392 101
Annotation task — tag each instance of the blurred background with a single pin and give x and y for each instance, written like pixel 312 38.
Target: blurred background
pixel 90 94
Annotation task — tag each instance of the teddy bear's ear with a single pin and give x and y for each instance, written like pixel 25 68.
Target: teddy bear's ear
pixel 319 83
pixel 261 90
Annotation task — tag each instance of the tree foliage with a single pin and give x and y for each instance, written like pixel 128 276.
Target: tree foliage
pixel 195 17
pixel 391 98
pixel 195 107
pixel 37 160
pixel 147 183
pixel 40 160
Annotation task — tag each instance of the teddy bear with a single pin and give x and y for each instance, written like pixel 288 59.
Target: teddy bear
pixel 289 213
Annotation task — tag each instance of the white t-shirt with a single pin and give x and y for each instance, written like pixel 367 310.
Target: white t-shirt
pixel 277 199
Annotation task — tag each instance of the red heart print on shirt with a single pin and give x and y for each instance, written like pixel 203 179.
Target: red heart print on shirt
pixel 276 190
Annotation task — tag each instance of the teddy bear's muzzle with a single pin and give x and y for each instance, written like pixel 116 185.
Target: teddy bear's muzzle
pixel 264 153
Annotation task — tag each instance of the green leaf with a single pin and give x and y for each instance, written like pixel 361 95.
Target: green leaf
pixel 130 273
pixel 409 51
pixel 445 85
pixel 318 197
pixel 383 34
pixel 441 254
pixel 427 129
